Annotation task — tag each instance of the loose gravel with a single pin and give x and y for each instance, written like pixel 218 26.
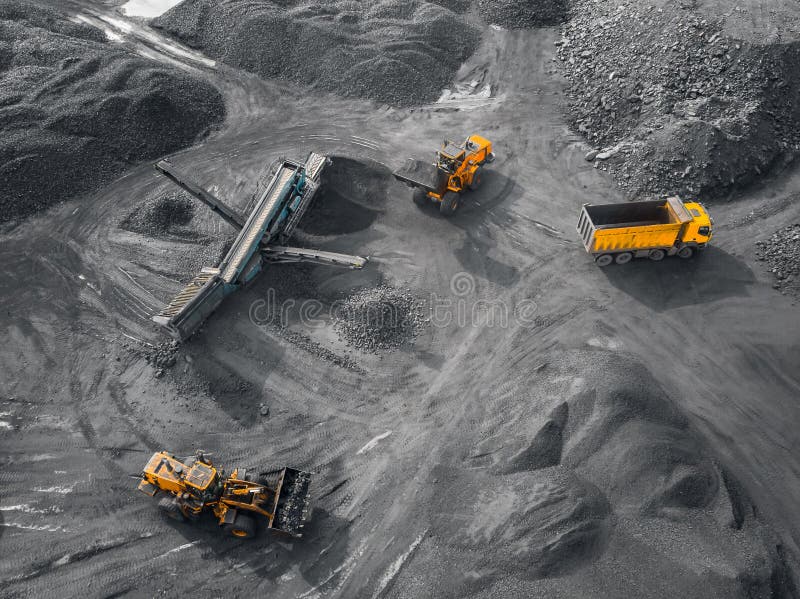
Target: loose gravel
pixel 521 14
pixel 168 213
pixel 671 103
pixel 379 318
pixel 395 52
pixel 76 110
pixel 781 252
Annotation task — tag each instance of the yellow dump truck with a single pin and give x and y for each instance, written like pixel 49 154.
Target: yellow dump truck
pixel 650 229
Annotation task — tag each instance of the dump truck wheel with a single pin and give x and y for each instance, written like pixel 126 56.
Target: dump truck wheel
pixel 477 178
pixel 604 260
pixel 449 203
pixel 170 508
pixel 244 527
pixel 623 258
pixel 685 252
pixel 420 197
pixel 656 255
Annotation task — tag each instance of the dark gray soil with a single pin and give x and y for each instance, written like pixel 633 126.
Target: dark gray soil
pixel 76 110
pixel 395 52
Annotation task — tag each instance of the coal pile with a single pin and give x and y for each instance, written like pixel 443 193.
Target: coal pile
pixel 379 318
pixel 76 110
pixel 392 51
pixel 521 14
pixel 168 213
pixel 672 103
pixel 162 356
pixel 781 252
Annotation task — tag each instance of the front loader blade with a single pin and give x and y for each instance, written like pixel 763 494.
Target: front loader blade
pixel 293 505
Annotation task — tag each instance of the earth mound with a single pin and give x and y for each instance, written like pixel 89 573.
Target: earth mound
pixel 584 470
pixel 676 102
pixel 391 51
pixel 521 14
pixel 349 199
pixel 74 110
pixel 535 525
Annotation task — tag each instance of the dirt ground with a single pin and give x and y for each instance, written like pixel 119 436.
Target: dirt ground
pixel 627 432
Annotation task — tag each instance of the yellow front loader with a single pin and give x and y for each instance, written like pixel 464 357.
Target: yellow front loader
pixel 458 168
pixel 279 499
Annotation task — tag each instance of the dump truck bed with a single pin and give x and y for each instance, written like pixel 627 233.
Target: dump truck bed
pixel 417 173
pixel 632 226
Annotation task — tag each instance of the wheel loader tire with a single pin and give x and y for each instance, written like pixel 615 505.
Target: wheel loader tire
pixel 656 255
pixel 449 203
pixel 244 527
pixel 623 258
pixel 420 197
pixel 685 252
pixel 604 260
pixel 170 508
pixel 477 179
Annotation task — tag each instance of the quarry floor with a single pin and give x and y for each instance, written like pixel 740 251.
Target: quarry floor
pixel 82 409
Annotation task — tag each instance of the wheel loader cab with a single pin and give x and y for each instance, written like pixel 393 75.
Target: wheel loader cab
pixel 451 157
pixel 166 473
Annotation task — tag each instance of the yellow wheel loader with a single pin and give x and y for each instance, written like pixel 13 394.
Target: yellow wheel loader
pixel 279 498
pixel 458 168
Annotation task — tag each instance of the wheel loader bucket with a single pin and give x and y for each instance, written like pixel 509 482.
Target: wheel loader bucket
pixel 292 509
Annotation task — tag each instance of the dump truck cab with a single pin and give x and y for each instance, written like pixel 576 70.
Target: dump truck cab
pixel 699 230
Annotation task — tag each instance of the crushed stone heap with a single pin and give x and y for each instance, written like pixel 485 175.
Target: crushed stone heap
pixel 76 110
pixel 673 102
pixel 781 252
pixel 521 14
pixel 396 52
pixel 379 318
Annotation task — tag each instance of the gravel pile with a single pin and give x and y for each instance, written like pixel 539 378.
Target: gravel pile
pixel 379 318
pixel 781 252
pixel 168 213
pixel 162 356
pixel 520 14
pixel 75 110
pixel 671 103
pixel 396 52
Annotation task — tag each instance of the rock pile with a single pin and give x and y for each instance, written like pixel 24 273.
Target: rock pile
pixel 781 252
pixel 75 110
pixel 672 103
pixel 162 356
pixel 520 14
pixel 379 318
pixel 393 51
pixel 167 213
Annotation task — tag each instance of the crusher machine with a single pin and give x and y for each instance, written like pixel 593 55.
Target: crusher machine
pixel 262 238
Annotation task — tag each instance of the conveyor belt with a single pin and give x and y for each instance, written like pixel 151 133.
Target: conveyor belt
pixel 277 253
pixel 188 293
pixel 255 227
